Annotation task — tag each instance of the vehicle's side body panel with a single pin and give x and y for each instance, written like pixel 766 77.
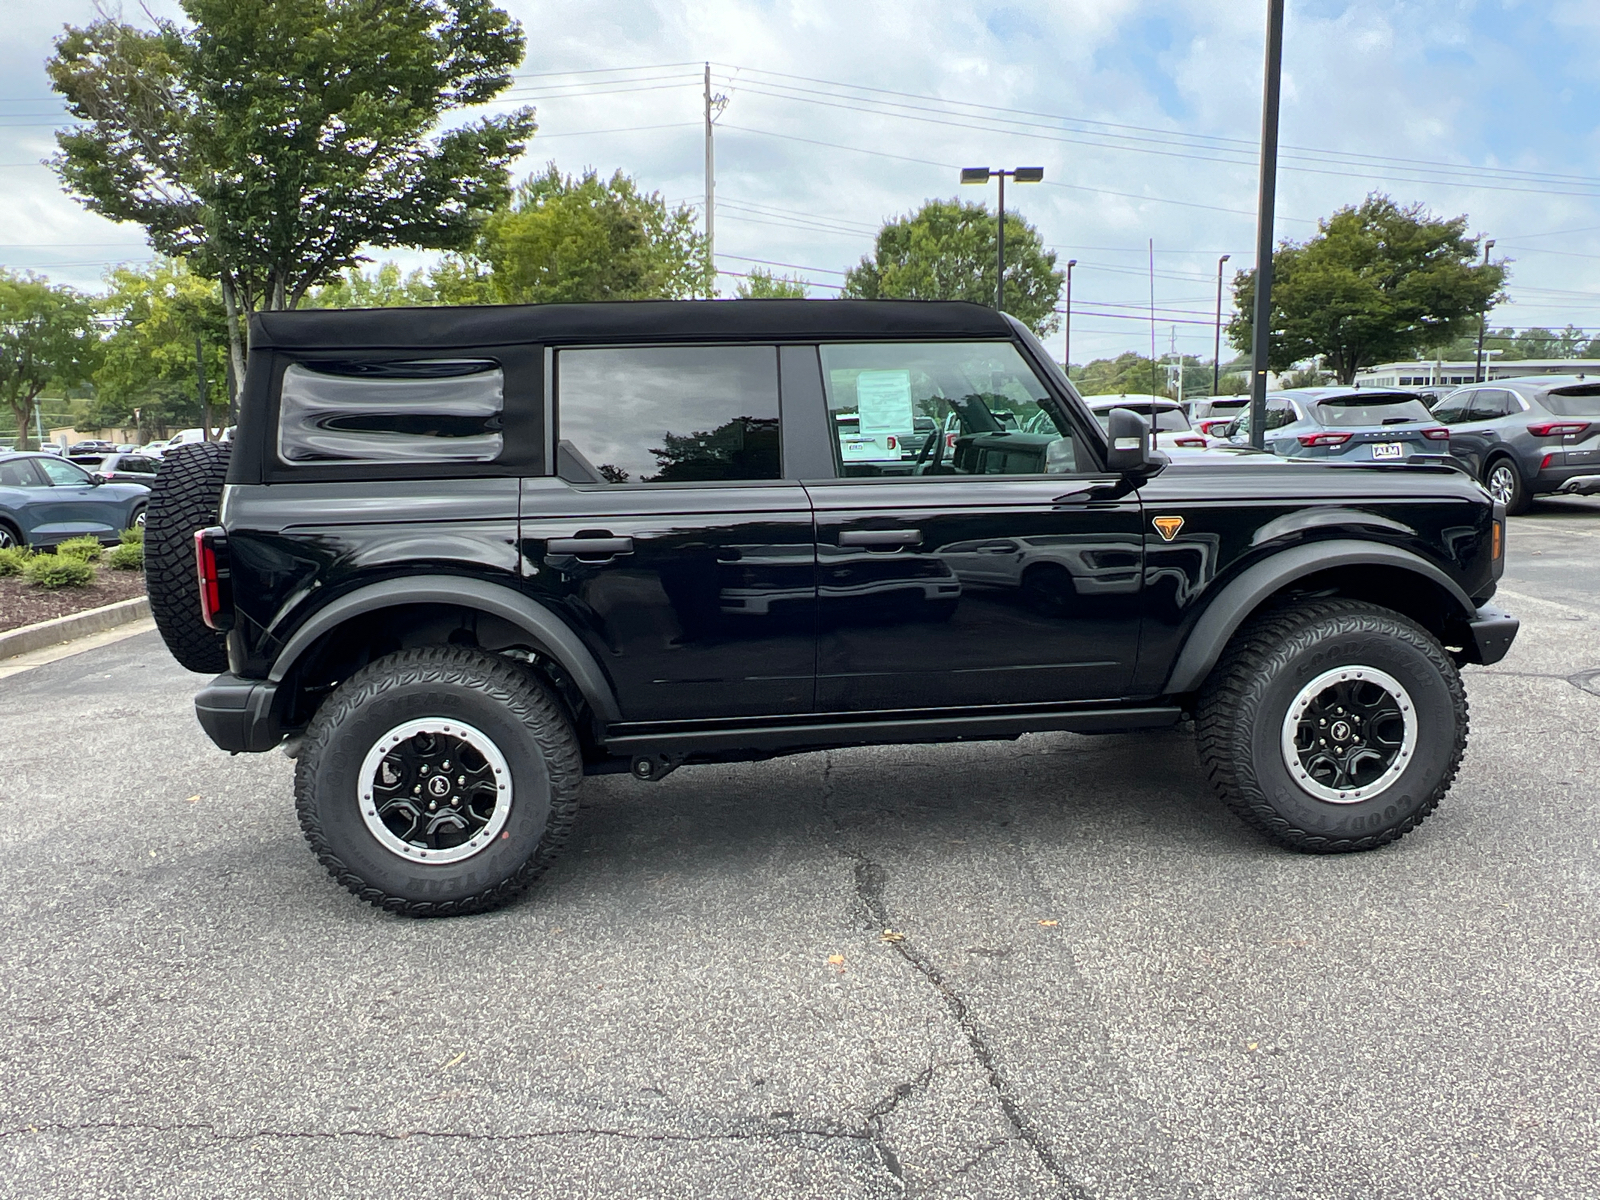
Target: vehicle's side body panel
pixel 1238 514
pixel 1008 590
pixel 707 607
pixel 301 546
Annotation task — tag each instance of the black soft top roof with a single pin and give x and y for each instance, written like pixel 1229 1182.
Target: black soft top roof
pixel 624 321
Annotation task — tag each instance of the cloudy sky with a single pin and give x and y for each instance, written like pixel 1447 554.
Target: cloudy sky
pixel 1144 115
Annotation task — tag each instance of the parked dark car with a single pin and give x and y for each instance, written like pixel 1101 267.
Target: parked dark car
pixel 45 499
pixel 1525 437
pixel 468 556
pixel 91 447
pixel 120 468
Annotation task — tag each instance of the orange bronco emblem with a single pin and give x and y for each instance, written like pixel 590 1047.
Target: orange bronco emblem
pixel 1167 527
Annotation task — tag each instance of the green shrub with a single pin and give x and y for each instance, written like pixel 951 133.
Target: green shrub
pixel 13 559
pixel 132 536
pixel 127 557
pixel 51 571
pixel 85 549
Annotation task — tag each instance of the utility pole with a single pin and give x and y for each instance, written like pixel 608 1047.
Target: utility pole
pixel 1066 340
pixel 1483 319
pixel 1261 326
pixel 1216 351
pixel 1152 315
pixel 714 106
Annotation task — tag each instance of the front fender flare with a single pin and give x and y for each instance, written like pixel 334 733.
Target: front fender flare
pixel 1241 596
pixel 553 635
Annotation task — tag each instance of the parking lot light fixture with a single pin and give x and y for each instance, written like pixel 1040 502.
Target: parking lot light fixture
pixel 1216 352
pixel 983 175
pixel 1483 319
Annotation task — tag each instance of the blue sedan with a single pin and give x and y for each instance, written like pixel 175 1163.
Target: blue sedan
pixel 1347 424
pixel 44 500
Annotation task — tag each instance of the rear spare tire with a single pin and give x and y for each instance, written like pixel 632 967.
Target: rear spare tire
pixel 186 495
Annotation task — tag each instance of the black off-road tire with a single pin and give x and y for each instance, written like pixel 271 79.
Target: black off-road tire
pixel 1240 720
pixel 500 699
pixel 184 498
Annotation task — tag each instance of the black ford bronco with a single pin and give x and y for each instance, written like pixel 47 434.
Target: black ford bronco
pixel 457 559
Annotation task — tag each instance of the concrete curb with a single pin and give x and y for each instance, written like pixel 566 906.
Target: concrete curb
pixel 75 625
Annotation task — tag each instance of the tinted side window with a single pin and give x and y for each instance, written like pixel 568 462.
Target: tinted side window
pixel 1279 414
pixel 1489 403
pixel 667 414
pixel 1453 408
pixel 424 411
pixel 18 472
pixel 941 408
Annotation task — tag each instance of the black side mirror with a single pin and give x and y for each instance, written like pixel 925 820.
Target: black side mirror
pixel 1130 450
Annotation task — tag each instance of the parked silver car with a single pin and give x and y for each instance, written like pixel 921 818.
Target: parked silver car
pixel 1346 424
pixel 1523 437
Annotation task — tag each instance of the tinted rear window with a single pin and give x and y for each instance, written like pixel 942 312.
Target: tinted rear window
pixel 1356 411
pixel 1574 402
pixel 1162 420
pixel 669 414
pixel 424 411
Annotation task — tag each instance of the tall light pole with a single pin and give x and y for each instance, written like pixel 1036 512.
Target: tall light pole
pixel 1216 352
pixel 1261 325
pixel 1066 340
pixel 1483 319
pixel 983 175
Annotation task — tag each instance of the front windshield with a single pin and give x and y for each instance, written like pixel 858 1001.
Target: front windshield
pixel 1356 411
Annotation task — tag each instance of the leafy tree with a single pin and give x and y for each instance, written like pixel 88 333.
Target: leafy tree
pixel 1305 377
pixel 565 238
pixel 762 284
pixel 268 140
pixel 1377 283
pixel 163 314
pixel 1128 372
pixel 48 338
pixel 946 251
pixel 385 287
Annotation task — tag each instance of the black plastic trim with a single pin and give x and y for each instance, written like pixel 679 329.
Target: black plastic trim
pixel 1493 631
pixel 1239 598
pixel 547 629
pixel 239 715
pixel 879 729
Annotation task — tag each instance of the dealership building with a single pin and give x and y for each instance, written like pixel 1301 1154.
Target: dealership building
pixel 1453 374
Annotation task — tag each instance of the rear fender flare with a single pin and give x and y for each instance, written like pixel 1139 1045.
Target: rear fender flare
pixel 1239 598
pixel 549 632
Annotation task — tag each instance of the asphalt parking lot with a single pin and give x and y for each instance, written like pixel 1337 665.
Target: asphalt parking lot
pixel 1098 982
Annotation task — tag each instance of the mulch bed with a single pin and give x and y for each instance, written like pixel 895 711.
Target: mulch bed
pixel 23 604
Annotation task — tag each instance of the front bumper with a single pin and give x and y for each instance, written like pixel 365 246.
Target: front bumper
pixel 239 714
pixel 1493 630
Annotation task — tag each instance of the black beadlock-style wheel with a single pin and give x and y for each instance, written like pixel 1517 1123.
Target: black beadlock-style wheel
pixel 184 498
pixel 438 782
pixel 1332 725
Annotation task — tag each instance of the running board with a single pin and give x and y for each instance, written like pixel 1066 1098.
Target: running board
pixel 679 740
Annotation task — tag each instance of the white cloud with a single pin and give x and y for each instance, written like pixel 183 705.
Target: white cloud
pixel 1408 82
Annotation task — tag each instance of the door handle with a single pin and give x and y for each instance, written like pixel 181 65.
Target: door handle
pixel 590 547
pixel 880 537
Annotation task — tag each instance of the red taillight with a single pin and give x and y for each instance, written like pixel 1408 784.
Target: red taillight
pixel 216 586
pixel 1544 463
pixel 1196 443
pixel 1557 428
pixel 1437 435
pixel 1324 439
pixel 950 441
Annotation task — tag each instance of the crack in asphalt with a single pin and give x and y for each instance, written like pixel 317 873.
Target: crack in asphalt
pixel 870 879
pixel 1586 681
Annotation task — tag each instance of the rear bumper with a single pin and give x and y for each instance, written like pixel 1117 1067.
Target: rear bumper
pixel 238 714
pixel 1580 485
pixel 1493 630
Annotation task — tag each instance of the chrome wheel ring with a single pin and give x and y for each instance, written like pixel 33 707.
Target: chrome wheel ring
pixel 1502 482
pixel 435 791
pixel 1349 734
